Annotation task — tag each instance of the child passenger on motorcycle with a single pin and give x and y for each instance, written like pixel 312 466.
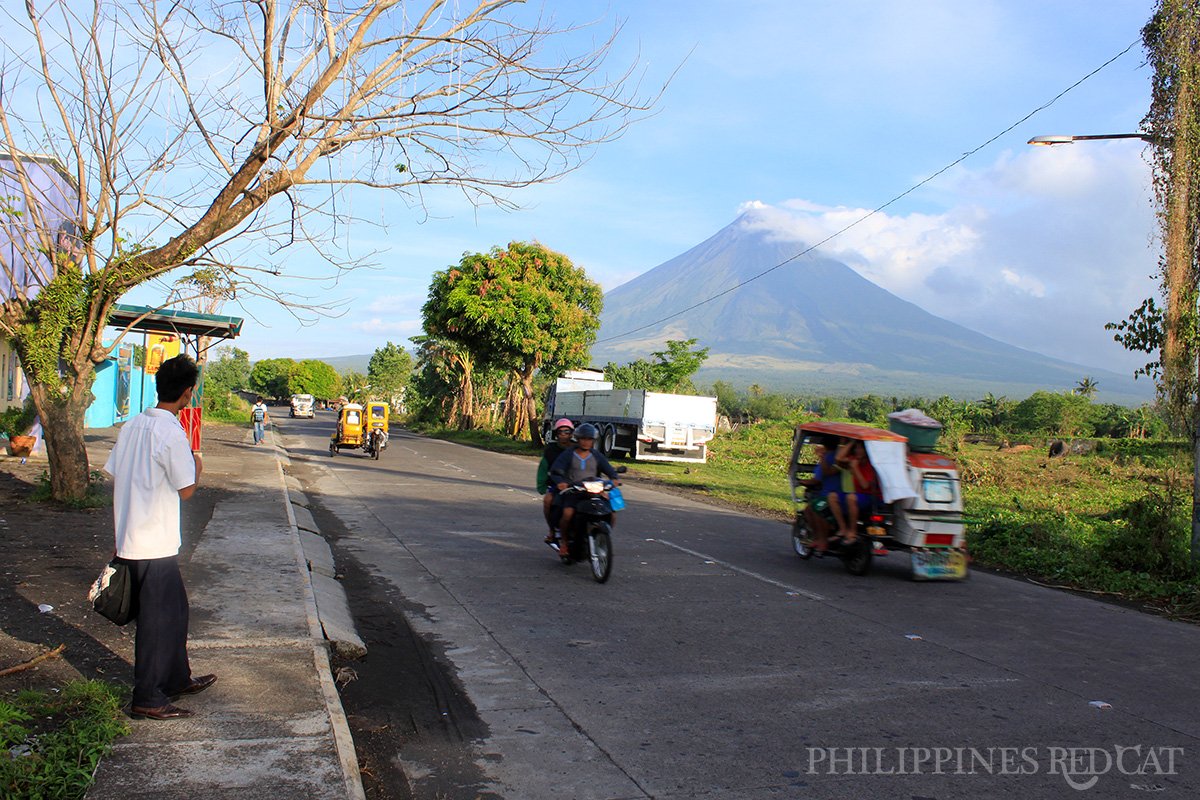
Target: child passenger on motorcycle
pixel 563 430
pixel 575 465
pixel 860 486
pixel 825 484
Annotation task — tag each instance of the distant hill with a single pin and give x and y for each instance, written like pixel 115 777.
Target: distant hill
pixel 816 325
pixel 344 364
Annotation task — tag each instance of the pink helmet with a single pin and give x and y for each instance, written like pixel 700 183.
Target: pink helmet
pixel 564 423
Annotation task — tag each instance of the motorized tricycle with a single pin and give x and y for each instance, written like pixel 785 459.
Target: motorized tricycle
pixel 920 510
pixel 361 427
pixel 377 428
pixel 589 536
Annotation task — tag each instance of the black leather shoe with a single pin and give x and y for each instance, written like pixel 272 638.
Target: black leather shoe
pixel 197 685
pixel 161 712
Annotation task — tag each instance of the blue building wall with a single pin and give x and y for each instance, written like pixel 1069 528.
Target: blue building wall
pixel 121 391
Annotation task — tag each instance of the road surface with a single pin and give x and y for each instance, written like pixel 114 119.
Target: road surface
pixel 716 664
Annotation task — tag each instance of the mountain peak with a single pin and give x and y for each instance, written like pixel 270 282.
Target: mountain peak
pixel 804 319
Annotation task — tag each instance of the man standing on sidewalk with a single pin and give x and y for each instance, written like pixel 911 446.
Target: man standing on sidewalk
pixel 260 417
pixel 153 468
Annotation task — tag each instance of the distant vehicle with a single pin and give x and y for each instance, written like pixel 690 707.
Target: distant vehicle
pixel 644 425
pixel 302 405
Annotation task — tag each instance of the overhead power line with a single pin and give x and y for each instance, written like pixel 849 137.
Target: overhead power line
pixel 875 210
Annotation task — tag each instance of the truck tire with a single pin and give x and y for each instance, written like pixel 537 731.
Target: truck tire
pixel 609 442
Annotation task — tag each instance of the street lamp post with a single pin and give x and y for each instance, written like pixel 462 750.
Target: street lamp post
pixel 1053 140
pixel 1176 222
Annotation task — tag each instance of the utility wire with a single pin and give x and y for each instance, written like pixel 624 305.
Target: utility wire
pixel 876 210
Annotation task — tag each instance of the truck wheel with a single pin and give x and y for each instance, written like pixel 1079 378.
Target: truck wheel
pixel 610 440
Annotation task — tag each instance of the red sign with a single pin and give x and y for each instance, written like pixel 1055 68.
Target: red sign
pixel 189 418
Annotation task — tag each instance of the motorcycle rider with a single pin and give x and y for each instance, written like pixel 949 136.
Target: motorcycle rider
pixel 561 443
pixel 575 465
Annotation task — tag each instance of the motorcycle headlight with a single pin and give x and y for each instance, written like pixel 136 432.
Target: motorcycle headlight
pixel 593 487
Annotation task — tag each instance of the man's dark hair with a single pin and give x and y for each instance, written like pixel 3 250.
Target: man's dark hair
pixel 175 376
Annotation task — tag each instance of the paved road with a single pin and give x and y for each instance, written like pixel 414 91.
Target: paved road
pixel 716 664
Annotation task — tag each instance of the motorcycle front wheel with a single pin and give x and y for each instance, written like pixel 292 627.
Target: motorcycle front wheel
pixel 800 534
pixel 600 552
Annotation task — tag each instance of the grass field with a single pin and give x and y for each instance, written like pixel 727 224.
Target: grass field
pixel 1114 521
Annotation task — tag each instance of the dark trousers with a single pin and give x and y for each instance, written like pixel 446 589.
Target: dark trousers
pixel 160 666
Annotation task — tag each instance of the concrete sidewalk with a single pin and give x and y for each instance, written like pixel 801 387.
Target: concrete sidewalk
pixel 273 726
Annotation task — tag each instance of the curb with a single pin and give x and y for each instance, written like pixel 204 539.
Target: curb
pixel 338 723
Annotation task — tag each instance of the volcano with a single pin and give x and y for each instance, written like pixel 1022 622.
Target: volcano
pixel 814 324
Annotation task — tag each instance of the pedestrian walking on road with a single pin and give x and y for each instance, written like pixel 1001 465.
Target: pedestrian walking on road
pixel 261 418
pixel 153 468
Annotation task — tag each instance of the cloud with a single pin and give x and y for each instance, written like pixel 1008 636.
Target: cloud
pixel 408 327
pixel 1039 248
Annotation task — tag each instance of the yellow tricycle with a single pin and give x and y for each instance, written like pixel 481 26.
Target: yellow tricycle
pixel 361 427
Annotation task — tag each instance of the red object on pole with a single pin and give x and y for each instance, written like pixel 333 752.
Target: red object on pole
pixel 190 419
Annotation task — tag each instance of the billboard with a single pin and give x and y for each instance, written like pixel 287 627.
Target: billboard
pixel 159 348
pixel 36 194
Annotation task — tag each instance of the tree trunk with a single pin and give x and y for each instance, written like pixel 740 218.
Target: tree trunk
pixel 62 428
pixel 466 395
pixel 535 429
pixel 512 400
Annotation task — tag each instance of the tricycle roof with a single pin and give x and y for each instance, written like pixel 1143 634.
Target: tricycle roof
pixel 849 430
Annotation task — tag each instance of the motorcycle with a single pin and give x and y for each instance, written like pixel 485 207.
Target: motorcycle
pixel 589 537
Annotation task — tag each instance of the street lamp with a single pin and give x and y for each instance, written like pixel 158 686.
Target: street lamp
pixel 1052 140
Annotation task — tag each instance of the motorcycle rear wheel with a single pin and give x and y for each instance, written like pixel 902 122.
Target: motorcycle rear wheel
pixel 600 552
pixel 858 559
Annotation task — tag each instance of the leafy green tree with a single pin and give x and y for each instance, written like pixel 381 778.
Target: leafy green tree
pixel 229 371
pixel 270 376
pixel 868 408
pixel 830 408
pixel 676 365
pixel 314 377
pixel 520 308
pixel 443 383
pixel 671 370
pixel 354 386
pixel 388 371
pixel 1086 387
pixel 1053 414
pixel 637 374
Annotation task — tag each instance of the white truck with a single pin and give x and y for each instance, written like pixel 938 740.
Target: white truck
pixel 649 426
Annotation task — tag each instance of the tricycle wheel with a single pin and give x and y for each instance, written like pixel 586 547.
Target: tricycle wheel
pixel 800 536
pixel 857 556
pixel 332 449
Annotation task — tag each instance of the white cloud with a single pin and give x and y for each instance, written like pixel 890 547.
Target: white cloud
pixel 1036 249
pixel 408 327
pixel 1026 284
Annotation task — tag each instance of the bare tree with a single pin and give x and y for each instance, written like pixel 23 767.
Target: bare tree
pixel 176 125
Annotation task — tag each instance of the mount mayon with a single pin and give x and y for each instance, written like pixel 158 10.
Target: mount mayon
pixel 816 325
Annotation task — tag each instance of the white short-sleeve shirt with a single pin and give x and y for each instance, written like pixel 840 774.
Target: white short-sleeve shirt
pixel 150 463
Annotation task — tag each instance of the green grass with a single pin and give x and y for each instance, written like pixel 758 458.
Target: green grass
pixel 1114 521
pixel 50 743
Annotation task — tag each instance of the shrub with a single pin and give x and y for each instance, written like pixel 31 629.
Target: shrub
pixel 51 744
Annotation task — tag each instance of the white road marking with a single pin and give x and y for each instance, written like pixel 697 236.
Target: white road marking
pixel 709 559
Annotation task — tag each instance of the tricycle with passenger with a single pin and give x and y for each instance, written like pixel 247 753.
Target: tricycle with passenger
pixel 361 427
pixel 917 509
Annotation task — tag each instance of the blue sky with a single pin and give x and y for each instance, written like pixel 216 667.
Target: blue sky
pixel 820 112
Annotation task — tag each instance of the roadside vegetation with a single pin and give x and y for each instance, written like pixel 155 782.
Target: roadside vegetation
pixel 53 741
